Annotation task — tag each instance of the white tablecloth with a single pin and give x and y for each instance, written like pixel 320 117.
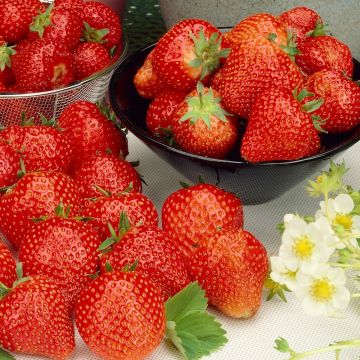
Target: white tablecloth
pixel 254 339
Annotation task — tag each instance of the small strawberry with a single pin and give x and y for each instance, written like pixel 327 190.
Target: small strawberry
pixel 190 51
pixel 231 266
pixel 34 319
pixel 64 249
pixel 9 164
pixel 91 132
pixel 42 147
pixel 89 58
pixel 102 24
pixel 8 266
pixel 107 210
pixel 341 96
pixel 147 83
pixel 196 212
pixel 35 194
pixel 157 256
pixel 202 126
pixel 280 128
pixel 41 65
pixel 160 111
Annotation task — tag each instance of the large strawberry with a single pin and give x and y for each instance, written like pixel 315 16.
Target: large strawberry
pixel 34 319
pixel 8 266
pixel 9 164
pixel 34 195
pixel 91 132
pixel 190 51
pixel 63 249
pixel 202 126
pixel 196 212
pixel 41 147
pixel 341 96
pixel 231 266
pixel 157 255
pixel 280 128
pixel 107 210
pixel 41 65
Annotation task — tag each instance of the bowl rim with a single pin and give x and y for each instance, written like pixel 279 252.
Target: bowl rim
pixel 224 163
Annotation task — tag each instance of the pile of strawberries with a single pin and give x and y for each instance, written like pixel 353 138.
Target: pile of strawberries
pixel 90 249
pixel 266 90
pixel 44 48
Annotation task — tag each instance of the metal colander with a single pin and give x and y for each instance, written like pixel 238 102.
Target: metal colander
pixel 52 103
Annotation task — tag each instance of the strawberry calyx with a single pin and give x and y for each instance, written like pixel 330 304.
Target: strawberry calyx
pixel 130 267
pixel 4 290
pixel 208 52
pixel 321 29
pixel 291 47
pixel 4 355
pixel 204 106
pixel 5 55
pixel 91 34
pixel 42 21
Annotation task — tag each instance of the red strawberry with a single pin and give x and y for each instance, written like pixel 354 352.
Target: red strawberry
pixel 99 17
pixel 341 96
pixel 41 147
pixel 34 195
pixel 107 172
pixel 157 254
pixel 279 128
pixel 9 164
pixel 324 53
pixel 40 65
pixel 121 316
pixel 8 266
pixel 148 84
pixel 34 320
pixel 91 132
pixel 3 88
pixel 190 51
pixel 107 209
pixel 160 111
pixel 247 74
pixel 58 24
pixel 202 126
pixel 6 75
pixel 196 212
pixel 231 266
pixel 16 16
pixel 63 249
pixel 89 58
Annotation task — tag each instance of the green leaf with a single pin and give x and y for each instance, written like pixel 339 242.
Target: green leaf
pixel 282 345
pixel 4 355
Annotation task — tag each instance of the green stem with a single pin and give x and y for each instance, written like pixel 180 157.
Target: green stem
pixel 346 266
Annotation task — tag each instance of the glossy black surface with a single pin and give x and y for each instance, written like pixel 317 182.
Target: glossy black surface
pixel 255 183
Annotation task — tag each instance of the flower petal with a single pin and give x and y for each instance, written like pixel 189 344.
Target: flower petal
pixel 344 204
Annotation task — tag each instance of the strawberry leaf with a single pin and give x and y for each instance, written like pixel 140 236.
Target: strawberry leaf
pixel 4 355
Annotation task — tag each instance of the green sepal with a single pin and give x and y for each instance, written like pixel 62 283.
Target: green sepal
pixel 61 211
pixel 280 227
pixel 4 355
pixel 312 106
pixel 275 289
pixel 47 122
pixel 272 37
pixel 108 267
pixel 291 47
pixel 25 121
pixel 22 170
pixel 5 55
pixel 93 276
pixel 282 345
pixel 42 21
pixel 355 195
pixel 300 96
pixel 94 35
pixel 20 275
pixel 184 185
pixel 124 224
pixel 106 244
pixel 102 191
pixel 4 290
pixel 319 122
pixel 321 29
pixel 130 267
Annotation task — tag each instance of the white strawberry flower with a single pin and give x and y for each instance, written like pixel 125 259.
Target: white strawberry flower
pixel 281 274
pixel 321 290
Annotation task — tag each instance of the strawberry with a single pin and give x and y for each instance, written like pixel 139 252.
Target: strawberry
pixel 121 316
pixel 160 111
pixel 202 126
pixel 70 4
pixel 190 51
pixel 108 208
pixel 9 164
pixel 34 319
pixel 6 75
pixel 302 20
pixel 341 96
pixel 58 24
pixel 89 58
pixel 16 16
pixel 41 65
pixel 102 24
pixel 246 73
pixel 8 266
pixel 3 88
pixel 41 147
pixel 107 172
pixel 147 83
pixel 35 194
pixel 280 128
pixel 231 266
pixel 156 253
pixel 196 212
pixel 63 249
pixel 91 132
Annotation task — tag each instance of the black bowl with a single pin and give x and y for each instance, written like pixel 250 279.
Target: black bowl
pixel 254 183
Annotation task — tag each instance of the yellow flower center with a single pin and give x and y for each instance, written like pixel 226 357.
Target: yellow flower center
pixel 322 290
pixel 303 247
pixel 343 220
pixel 319 179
